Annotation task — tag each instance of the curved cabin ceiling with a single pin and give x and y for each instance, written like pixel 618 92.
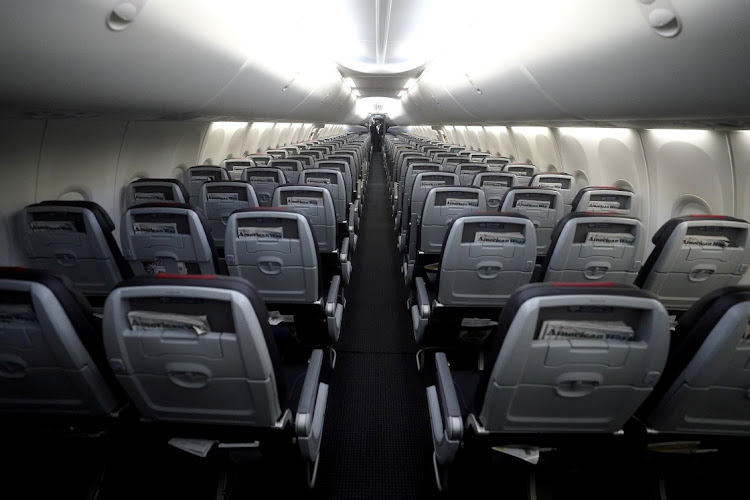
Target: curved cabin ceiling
pixel 574 62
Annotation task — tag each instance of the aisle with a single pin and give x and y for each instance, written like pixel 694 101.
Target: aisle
pixel 376 440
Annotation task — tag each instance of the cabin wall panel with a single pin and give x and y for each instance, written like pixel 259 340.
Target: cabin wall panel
pixel 156 150
pixel 223 140
pixel 739 142
pixel 690 172
pixel 20 143
pixel 79 162
pixel 607 157
pixel 505 144
pixel 537 145
pixel 256 136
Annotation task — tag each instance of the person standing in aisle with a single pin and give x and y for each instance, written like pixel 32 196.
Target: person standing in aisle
pixel 375 138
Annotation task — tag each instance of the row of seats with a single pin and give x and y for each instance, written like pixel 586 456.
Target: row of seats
pixel 296 253
pixel 457 254
pixel 189 357
pixel 581 344
pixel 572 368
pixel 196 356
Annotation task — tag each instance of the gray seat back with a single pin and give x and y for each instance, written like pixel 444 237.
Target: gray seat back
pixel 276 153
pixel 51 357
pixel 264 180
pixel 485 257
pixel 291 168
pixel 450 162
pixel 441 206
pixel 586 248
pixel 306 160
pixel 704 386
pixel 260 159
pixel 155 190
pixel 347 173
pixel 277 252
pixel 404 196
pixel 694 255
pixel 496 162
pixel 495 185
pixel 333 181
pixel 523 171
pixel 203 173
pixel 235 166
pixel 605 199
pixel 219 199
pixel 544 206
pixel 572 359
pixel 317 205
pixel 73 239
pixel 559 181
pixel 478 156
pixel 467 170
pixel 195 351
pixel 170 238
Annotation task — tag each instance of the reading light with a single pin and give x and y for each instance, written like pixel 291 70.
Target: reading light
pixel 356 92
pixel 349 82
pixel 409 83
pixel 402 93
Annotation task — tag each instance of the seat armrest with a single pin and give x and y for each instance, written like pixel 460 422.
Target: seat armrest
pixel 333 295
pixel 306 405
pixel 446 392
pixel 311 408
pixel 344 250
pixel 423 298
pixel 350 222
pixel 445 413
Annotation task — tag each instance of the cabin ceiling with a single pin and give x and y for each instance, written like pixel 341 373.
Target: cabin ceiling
pixel 672 63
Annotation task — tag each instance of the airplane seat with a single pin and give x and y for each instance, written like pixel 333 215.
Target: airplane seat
pixel 542 205
pixel 307 161
pixel 219 199
pixel 702 393
pixel 450 162
pixel 54 373
pixel 496 163
pixel 171 238
pixel 199 359
pixel 423 183
pixel 566 368
pixel 350 181
pixel 203 173
pixel 276 250
pixel 260 159
pixel 276 153
pixel 591 247
pixel 291 168
pixel 559 181
pixel 523 171
pixel 73 239
pixel 264 181
pixel 333 181
pixel 441 205
pixel 495 185
pixel 467 170
pixel 235 166
pixel 155 190
pixel 605 199
pixel 403 200
pixel 356 173
pixel 485 256
pixel 478 156
pixel 694 255
pixel 317 205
